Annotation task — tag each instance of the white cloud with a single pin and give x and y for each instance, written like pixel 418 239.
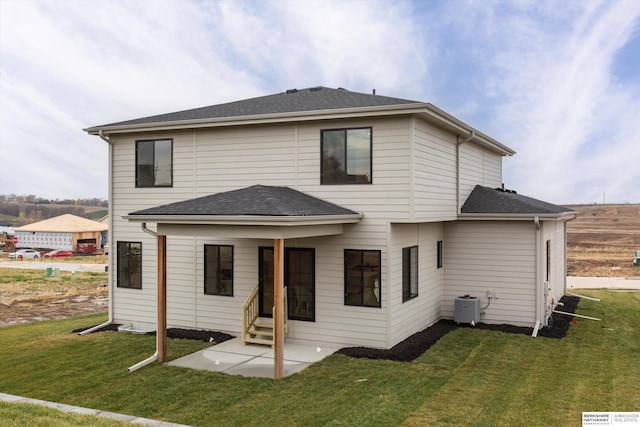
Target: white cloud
pixel 550 90
pixel 538 75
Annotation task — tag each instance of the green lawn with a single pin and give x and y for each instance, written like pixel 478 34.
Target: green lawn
pixel 470 377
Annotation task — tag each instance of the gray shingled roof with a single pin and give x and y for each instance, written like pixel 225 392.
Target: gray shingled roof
pixel 256 200
pixel 497 201
pixel 311 99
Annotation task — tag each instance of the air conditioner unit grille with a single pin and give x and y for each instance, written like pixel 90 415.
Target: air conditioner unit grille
pixel 467 309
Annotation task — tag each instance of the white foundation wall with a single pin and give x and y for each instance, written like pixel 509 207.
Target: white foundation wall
pixel 422 311
pixel 492 255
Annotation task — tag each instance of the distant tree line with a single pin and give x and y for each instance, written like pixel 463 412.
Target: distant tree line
pixel 32 199
pixel 28 209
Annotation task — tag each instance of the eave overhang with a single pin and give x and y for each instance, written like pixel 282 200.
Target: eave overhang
pixel 425 110
pixel 246 220
pixel 565 216
pixel 247 226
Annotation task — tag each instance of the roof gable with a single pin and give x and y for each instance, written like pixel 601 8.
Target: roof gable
pixel 258 200
pixel 484 200
pixel 66 223
pixel 318 98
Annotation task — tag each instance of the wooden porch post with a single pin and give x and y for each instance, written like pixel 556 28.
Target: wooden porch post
pixel 161 333
pixel 278 309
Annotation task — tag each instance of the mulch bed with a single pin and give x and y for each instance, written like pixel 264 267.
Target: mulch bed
pixel 412 347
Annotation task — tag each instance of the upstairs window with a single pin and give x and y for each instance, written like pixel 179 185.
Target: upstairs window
pixel 346 156
pixel 154 163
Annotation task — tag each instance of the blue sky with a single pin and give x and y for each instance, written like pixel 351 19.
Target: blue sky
pixel 558 81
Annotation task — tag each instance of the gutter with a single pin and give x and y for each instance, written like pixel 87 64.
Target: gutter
pixel 516 216
pixel 154 356
pixel 109 234
pixel 429 111
pixel 292 116
pixel 282 221
pixel 539 290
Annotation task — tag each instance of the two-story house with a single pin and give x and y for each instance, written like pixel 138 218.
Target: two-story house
pixel 376 213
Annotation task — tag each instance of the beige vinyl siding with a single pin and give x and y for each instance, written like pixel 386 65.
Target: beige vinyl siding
pixel 336 322
pixel 422 311
pixel 268 155
pixel 390 172
pixel 483 255
pixel 434 173
pixel 478 166
pixel 232 158
pixel 139 305
pixel 418 181
pixel 223 313
pixel 554 231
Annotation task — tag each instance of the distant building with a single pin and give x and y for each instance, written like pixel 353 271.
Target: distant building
pixel 62 232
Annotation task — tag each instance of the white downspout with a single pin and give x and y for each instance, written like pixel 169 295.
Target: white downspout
pixel 459 143
pixel 539 297
pixel 154 356
pixel 109 233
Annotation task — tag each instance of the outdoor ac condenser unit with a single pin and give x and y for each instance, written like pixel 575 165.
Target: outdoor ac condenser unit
pixel 467 310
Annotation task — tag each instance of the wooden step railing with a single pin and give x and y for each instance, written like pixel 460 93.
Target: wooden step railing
pixel 252 328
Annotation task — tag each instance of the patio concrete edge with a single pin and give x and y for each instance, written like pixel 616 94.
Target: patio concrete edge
pixel 10 398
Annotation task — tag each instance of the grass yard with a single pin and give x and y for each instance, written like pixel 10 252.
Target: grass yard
pixel 35 415
pixel 470 377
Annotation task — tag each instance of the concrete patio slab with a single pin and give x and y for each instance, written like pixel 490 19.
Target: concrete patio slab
pixel 234 358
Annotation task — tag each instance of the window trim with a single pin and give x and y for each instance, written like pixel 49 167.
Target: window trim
pixel 204 283
pixel 439 254
pixel 138 185
pixel 362 286
pixel 407 273
pixel 118 275
pixel 345 130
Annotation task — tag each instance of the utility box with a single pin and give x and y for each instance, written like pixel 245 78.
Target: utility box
pixel 467 310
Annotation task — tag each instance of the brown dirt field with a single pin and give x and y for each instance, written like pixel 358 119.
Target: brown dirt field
pixel 51 307
pixel 602 240
pixel 28 295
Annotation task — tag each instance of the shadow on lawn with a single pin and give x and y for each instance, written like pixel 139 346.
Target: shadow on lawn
pixel 412 347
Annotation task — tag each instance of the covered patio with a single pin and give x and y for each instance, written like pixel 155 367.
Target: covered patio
pixel 257 212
